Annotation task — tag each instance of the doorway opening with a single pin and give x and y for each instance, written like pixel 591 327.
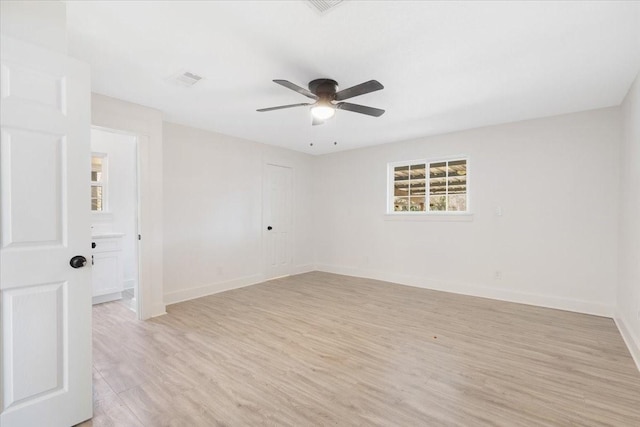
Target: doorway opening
pixel 115 217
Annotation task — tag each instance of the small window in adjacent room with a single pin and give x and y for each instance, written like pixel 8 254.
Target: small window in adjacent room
pixel 429 186
pixel 98 182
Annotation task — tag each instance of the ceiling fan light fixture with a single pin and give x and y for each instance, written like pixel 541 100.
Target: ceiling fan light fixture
pixel 325 92
pixel 323 111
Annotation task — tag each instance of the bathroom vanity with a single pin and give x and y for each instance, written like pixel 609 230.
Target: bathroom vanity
pixel 107 272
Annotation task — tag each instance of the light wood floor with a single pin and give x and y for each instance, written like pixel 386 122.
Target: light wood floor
pixel 321 349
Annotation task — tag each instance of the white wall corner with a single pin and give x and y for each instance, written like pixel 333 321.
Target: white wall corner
pixel 632 342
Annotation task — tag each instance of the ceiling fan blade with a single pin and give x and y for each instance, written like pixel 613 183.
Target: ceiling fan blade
pixel 356 108
pixel 262 110
pixel 315 121
pixel 357 90
pixel 296 88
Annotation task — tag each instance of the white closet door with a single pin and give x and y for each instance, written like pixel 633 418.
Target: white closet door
pixel 277 208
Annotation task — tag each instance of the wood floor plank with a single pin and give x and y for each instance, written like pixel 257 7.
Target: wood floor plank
pixel 323 349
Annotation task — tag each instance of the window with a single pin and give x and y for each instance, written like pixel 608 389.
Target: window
pixel 98 182
pixel 429 186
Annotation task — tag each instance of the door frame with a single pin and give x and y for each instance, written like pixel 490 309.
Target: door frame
pixel 140 296
pixel 146 124
pixel 146 260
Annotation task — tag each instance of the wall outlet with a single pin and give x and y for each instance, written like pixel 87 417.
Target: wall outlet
pixel 497 275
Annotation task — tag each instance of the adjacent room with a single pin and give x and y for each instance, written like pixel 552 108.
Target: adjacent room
pixel 320 212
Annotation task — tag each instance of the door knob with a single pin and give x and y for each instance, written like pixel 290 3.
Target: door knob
pixel 78 261
pixel 269 228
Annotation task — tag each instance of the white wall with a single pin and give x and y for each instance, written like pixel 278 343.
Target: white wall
pixel 146 124
pixel 213 211
pixel 122 198
pixel 628 314
pixel 556 180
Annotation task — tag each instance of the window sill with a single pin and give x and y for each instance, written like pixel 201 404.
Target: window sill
pixel 438 217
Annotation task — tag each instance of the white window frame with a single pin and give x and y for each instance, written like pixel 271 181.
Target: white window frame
pixel 104 182
pixel 392 214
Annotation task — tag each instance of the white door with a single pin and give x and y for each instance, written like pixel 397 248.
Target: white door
pixel 277 220
pixel 44 200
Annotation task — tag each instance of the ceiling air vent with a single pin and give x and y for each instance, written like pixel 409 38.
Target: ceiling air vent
pixel 323 6
pixel 186 79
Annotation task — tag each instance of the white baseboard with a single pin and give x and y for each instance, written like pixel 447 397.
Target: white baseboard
pixel 587 307
pixel 129 284
pixel 158 310
pixel 304 268
pixel 632 342
pixel 214 288
pixel 106 298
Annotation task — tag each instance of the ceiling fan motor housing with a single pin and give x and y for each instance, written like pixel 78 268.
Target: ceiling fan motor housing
pixel 324 88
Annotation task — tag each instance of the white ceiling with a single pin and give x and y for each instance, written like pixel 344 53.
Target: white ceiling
pixel 446 66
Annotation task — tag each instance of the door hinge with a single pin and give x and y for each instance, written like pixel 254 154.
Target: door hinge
pixel 139 236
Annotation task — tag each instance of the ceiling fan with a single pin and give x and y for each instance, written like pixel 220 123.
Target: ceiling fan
pixel 325 93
